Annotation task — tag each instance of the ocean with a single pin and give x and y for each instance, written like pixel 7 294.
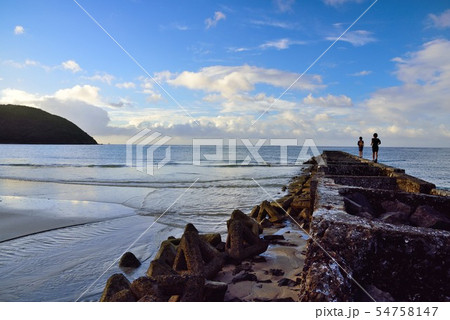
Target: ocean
pixel 68 212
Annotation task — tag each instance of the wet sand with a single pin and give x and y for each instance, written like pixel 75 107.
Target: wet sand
pixel 284 260
pixel 22 216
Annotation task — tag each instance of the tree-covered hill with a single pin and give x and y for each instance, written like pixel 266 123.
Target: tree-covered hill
pixel 26 125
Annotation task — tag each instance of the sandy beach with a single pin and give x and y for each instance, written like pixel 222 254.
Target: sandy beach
pixel 277 270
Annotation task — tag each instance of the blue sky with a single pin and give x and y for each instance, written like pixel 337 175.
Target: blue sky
pixel 221 65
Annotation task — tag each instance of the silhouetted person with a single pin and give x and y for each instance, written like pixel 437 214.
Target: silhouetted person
pixel 375 143
pixel 360 146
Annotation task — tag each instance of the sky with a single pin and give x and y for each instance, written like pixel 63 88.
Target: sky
pixel 234 69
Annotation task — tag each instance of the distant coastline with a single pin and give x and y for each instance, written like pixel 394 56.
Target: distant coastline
pixel 26 125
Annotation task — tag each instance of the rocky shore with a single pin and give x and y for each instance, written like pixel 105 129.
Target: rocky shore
pixel 347 230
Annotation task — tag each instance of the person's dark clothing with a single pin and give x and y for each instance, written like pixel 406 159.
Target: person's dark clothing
pixel 375 143
pixel 361 145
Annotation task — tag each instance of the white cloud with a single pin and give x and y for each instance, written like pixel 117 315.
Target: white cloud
pixel 26 63
pixel 421 101
pixel 229 80
pixel 336 3
pixel 431 64
pixel 15 96
pixel 147 86
pixel 284 5
pixel 212 22
pixel 245 103
pixel 280 44
pixel 242 49
pixel 82 105
pixel 440 21
pixel 235 89
pixel 357 38
pixel 361 73
pixel 126 85
pixel 181 27
pixel 102 77
pixel 19 30
pixel 88 94
pixel 322 117
pixel 154 98
pixel 329 101
pixel 274 23
pixel 122 103
pixel 71 65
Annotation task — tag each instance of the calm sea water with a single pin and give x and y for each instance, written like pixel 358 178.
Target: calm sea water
pixel 93 182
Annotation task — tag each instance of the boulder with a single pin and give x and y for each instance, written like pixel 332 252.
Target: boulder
pixel 355 208
pixel 212 238
pixel 267 210
pixel 194 290
pixel 215 291
pixel 221 247
pixel 396 206
pixel 254 212
pixel 123 296
pixel 245 276
pixel 305 214
pixel 162 264
pixel 149 298
pixel 129 260
pixel 195 256
pixel 243 237
pixel 300 202
pixel 174 241
pixel 426 216
pixel 285 282
pixel 245 266
pixel 169 285
pixel 265 223
pixel 278 206
pixel 248 221
pixel 273 237
pixel 286 203
pixel 117 282
pixel 144 286
pixel 167 251
pixel 362 201
pixel 398 217
pixel 187 287
pixel 276 272
pixel 158 268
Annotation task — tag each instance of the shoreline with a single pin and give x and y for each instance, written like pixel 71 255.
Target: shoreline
pixel 25 216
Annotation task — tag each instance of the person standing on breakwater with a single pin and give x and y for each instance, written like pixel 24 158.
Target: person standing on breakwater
pixel 375 143
pixel 360 146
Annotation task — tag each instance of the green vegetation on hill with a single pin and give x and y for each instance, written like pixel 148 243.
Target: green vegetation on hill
pixel 26 125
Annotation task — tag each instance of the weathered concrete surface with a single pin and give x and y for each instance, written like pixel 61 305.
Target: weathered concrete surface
pixel 341 163
pixel 361 258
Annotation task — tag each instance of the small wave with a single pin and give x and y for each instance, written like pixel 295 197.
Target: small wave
pixel 222 182
pixel 31 165
pixel 113 166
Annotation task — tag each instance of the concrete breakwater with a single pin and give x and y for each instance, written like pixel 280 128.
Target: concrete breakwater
pixel 375 233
